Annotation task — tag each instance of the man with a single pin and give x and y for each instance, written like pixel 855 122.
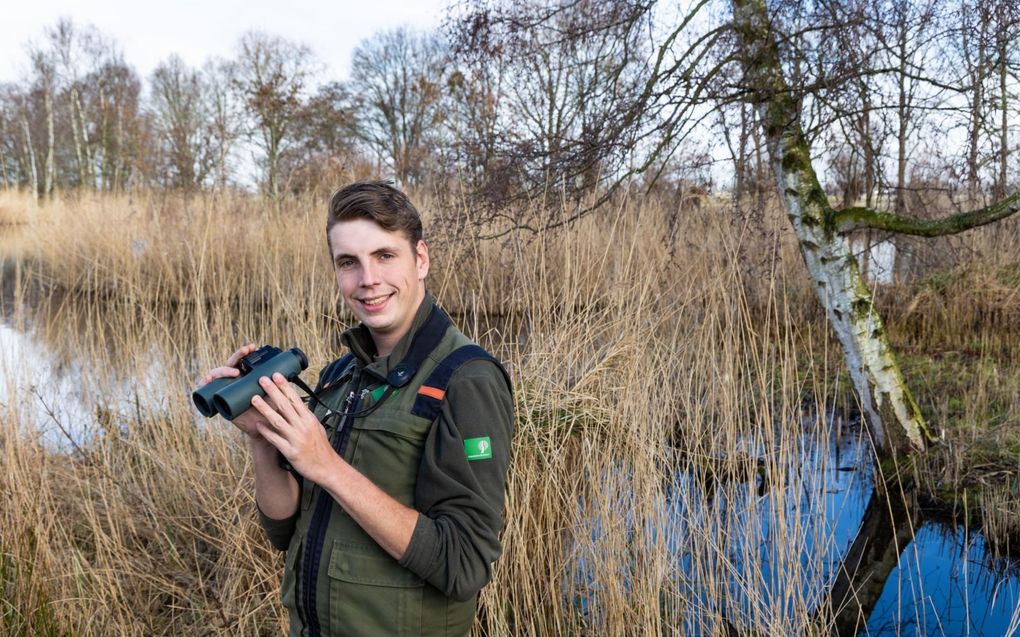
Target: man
pixel 392 513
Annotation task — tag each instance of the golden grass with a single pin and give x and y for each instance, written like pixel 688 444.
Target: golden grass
pixel 634 362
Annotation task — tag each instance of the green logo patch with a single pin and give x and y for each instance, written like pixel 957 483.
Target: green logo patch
pixel 478 448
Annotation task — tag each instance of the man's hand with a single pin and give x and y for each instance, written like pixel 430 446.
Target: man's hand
pixel 248 420
pixel 293 429
pixel 288 424
pixel 276 491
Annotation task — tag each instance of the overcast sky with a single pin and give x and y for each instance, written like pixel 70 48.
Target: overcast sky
pixel 148 32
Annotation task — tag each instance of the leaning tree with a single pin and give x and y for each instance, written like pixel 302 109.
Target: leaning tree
pixel 822 233
pixel 714 55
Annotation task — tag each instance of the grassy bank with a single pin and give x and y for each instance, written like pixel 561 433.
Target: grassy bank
pixel 635 359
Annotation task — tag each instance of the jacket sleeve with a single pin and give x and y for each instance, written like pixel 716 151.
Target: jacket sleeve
pixel 456 538
pixel 279 532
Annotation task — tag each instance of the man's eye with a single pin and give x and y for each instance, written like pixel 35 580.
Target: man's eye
pixel 386 255
pixel 344 264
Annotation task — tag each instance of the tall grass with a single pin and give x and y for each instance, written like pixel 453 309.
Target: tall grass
pixel 656 382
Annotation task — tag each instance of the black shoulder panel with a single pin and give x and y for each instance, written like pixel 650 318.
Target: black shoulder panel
pixel 433 390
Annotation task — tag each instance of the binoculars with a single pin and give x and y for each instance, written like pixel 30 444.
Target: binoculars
pixel 231 397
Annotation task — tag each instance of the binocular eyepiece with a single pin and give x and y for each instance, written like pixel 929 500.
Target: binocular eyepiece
pixel 231 397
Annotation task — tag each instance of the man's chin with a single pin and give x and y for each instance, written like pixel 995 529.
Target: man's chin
pixel 375 323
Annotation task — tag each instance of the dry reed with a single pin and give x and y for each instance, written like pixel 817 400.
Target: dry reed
pixel 655 381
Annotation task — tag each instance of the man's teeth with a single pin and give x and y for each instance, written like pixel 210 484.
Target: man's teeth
pixel 374 301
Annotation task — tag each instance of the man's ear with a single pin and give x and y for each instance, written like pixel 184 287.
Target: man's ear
pixel 421 254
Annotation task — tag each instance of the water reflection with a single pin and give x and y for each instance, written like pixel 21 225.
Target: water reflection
pixel 62 399
pixel 858 554
pixel 945 584
pixel 46 393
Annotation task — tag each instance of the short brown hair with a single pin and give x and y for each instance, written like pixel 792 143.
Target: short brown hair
pixel 379 201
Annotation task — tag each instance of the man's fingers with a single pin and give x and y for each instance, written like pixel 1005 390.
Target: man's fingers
pixel 236 357
pixel 279 399
pixel 219 372
pixel 273 437
pixel 268 412
pixel 288 392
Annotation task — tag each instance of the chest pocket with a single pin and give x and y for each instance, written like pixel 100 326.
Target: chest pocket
pixel 387 449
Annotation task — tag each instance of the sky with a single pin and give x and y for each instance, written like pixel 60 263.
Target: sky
pixel 148 32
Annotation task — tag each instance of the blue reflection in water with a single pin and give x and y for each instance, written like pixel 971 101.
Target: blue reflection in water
pixel 946 582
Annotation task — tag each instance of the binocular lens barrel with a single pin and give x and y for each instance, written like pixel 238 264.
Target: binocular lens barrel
pixel 203 396
pixel 232 396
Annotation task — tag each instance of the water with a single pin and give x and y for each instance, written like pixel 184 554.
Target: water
pixel 946 584
pixel 47 393
pixel 942 581
pixel 61 398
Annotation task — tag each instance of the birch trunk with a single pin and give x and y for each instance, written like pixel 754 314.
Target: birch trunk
pixel 889 410
pixel 3 155
pixel 90 166
pixel 30 156
pixel 76 136
pixel 51 171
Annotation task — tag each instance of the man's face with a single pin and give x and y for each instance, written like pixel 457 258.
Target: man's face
pixel 381 278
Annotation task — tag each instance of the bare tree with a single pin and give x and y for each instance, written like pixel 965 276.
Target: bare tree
pixel 570 75
pixel 325 148
pixel 472 98
pixel 1007 68
pixel 79 55
pixel 29 165
pixel 226 115
pixel 114 98
pixel 396 78
pixel 271 75
pixel 46 84
pixel 183 119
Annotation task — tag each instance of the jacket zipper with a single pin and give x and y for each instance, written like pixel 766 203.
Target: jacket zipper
pixel 320 518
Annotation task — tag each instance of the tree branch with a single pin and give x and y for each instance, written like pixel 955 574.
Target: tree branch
pixel 854 218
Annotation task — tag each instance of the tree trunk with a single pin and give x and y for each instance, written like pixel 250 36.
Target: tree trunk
pixel 886 529
pixel 870 168
pixel 741 176
pixel 893 417
pixel 903 122
pixel 1001 184
pixel 51 172
pixel 104 138
pixel 3 155
pixel 89 171
pixel 76 135
pixel 120 161
pixel 977 98
pixel 30 156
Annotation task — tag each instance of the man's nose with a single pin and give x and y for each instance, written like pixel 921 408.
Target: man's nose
pixel 369 274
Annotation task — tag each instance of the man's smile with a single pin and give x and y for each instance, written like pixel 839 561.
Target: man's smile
pixel 375 302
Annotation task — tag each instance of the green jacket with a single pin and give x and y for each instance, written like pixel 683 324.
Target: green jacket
pixel 333 566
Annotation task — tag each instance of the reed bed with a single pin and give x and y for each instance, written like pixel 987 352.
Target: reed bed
pixel 659 384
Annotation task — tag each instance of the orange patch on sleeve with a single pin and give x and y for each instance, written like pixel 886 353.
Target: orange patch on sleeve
pixel 432 392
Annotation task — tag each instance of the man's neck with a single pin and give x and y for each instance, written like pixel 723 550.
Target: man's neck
pixel 384 344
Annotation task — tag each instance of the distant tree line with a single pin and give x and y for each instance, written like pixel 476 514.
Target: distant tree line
pixel 545 98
